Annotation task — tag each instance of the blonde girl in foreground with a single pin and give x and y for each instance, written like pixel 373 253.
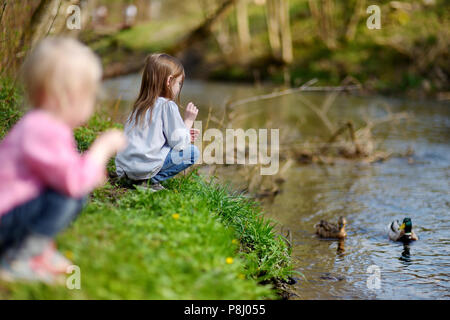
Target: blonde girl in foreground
pixel 44 181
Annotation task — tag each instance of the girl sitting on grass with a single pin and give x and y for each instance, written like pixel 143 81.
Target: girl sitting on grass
pixel 44 181
pixel 159 140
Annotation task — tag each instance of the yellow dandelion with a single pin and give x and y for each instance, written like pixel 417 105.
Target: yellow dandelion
pixel 234 241
pixel 176 216
pixel 69 254
pixel 229 260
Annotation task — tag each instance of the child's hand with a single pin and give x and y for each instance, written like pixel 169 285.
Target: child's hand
pixel 107 144
pixel 194 134
pixel 113 139
pixel 191 112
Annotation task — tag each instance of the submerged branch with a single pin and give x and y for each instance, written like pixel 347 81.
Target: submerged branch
pixel 304 88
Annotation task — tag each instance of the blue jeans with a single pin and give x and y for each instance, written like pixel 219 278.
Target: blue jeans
pixel 175 162
pixel 47 215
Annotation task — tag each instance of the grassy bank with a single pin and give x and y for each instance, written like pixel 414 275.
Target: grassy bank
pixel 195 240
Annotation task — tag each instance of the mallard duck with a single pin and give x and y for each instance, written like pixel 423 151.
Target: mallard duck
pixel 402 232
pixel 326 229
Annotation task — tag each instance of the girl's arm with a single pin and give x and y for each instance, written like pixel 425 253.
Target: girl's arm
pixel 175 130
pixel 53 158
pixel 51 154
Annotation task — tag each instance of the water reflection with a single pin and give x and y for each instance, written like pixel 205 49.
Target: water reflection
pixel 406 253
pixel 341 247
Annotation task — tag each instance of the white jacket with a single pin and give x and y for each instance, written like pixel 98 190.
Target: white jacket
pixel 149 144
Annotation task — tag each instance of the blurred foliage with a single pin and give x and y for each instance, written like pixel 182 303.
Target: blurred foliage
pixel 409 52
pixel 86 134
pixel 10 105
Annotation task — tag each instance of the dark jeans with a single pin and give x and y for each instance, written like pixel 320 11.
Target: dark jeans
pixel 47 215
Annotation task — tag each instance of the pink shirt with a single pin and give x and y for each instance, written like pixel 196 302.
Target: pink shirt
pixel 40 152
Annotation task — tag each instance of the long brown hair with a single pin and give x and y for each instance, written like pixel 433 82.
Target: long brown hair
pixel 158 68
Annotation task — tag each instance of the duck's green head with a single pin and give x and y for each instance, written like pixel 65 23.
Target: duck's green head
pixel 406 225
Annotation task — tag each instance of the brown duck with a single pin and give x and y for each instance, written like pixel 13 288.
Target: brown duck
pixel 325 229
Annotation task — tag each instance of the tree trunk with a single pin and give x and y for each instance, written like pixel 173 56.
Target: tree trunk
pixel 273 29
pixel 328 10
pixel 242 26
pixel 59 25
pixel 2 9
pixel 86 6
pixel 324 20
pixel 220 31
pixel 41 22
pixel 223 38
pixel 205 29
pixel 286 38
pixel 353 23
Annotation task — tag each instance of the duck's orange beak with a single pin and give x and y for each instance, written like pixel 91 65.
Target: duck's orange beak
pixel 402 226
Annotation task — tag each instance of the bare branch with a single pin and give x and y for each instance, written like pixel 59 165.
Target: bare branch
pixel 304 88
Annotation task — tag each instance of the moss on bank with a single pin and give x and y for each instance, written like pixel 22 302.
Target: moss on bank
pixel 195 240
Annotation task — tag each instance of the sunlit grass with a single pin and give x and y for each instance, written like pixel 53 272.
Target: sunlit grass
pixel 179 243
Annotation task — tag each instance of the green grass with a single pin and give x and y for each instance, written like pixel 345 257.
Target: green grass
pixel 174 244
pixel 129 246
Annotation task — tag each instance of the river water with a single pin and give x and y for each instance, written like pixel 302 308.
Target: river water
pixel 370 196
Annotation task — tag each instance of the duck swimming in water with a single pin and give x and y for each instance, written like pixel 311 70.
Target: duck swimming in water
pixel 326 229
pixel 402 232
